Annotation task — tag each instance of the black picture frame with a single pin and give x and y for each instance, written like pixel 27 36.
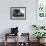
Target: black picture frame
pixel 18 13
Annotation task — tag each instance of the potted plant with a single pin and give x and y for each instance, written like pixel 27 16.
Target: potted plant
pixel 35 26
pixel 38 27
pixel 39 35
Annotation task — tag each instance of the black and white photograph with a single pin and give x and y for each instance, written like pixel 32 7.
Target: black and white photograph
pixel 18 13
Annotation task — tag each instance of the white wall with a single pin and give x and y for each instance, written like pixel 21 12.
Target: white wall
pixel 24 25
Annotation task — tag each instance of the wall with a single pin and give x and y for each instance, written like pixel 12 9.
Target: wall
pixel 24 25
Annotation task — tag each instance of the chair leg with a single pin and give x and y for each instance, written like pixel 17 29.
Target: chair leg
pixel 5 40
pixel 5 43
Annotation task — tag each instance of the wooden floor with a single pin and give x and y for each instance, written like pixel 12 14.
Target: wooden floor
pixel 13 44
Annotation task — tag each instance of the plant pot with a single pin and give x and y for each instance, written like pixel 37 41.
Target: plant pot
pixel 40 40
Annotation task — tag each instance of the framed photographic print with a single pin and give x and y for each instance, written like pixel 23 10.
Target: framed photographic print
pixel 18 13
